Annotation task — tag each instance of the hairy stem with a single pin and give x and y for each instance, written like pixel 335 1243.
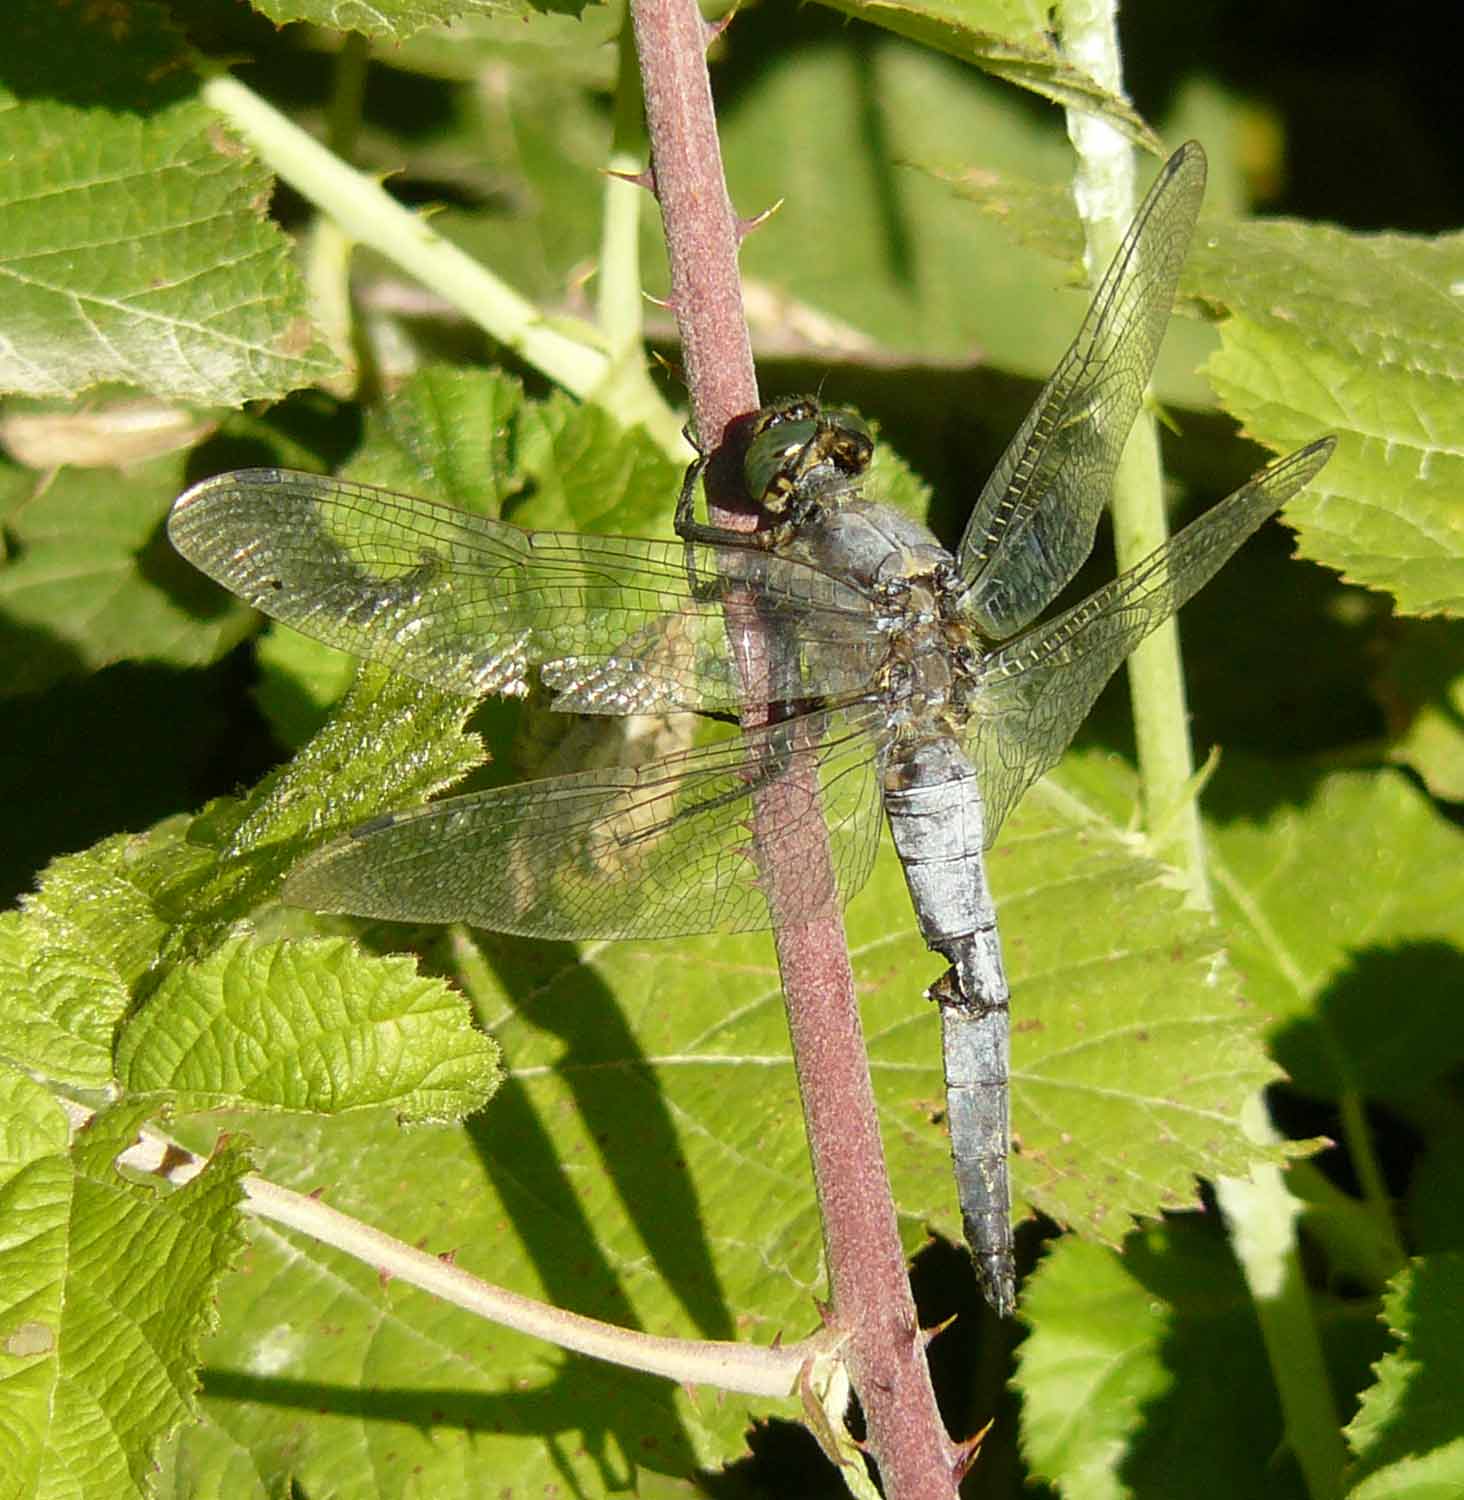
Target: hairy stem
pixel 871 1304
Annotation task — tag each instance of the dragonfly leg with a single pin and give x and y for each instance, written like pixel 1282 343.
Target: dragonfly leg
pixel 692 531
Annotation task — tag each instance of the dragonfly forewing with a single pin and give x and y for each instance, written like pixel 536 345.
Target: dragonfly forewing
pixel 661 850
pixel 471 604
pixel 1033 524
pixel 1034 692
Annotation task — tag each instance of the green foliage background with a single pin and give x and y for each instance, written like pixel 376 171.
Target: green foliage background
pixel 642 1160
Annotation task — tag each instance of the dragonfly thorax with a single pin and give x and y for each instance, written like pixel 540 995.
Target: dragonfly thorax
pixel 875 545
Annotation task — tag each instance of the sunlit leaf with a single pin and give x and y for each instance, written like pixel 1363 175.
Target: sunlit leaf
pixel 134 243
pixel 110 1288
pixel 307 1026
pixel 1356 334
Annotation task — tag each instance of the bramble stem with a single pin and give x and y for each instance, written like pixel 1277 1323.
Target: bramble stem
pixel 871 1303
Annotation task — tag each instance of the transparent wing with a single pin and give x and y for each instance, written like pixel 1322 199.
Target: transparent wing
pixel 1035 692
pixel 1033 523
pixel 662 850
pixel 470 604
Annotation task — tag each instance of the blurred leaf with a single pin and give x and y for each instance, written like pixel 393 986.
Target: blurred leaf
pixel 94 581
pixel 300 681
pixel 391 20
pixel 1435 1201
pixel 136 243
pixel 110 1287
pixel 1406 1433
pixel 99 433
pixel 1360 1246
pixel 1343 903
pixel 1421 686
pixel 865 244
pixel 307 1026
pixel 1010 40
pixel 1352 333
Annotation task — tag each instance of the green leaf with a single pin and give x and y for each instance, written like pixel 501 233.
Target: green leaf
pixel 59 1002
pixel 107 1289
pixel 300 681
pixel 136 246
pixel 93 580
pixel 1406 1432
pixel 1322 330
pixel 308 1026
pixel 869 264
pixel 100 903
pixel 1420 685
pixel 1435 1204
pixel 469 438
pixel 450 1398
pixel 35 1186
pixel 389 20
pixel 645 1160
pixel 1335 891
pixel 391 743
pixel 586 474
pixel 1353 333
pixel 1131 1360
pixel 1009 40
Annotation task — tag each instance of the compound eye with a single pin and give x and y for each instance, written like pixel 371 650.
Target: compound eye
pixel 773 459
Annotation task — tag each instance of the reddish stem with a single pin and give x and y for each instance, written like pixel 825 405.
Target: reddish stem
pixel 869 1285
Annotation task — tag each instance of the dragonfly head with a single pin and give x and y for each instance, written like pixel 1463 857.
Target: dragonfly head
pixel 801 452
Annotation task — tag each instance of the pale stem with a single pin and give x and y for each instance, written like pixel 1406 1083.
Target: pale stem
pixel 1261 1213
pixel 1103 185
pixel 370 216
pixel 749 1369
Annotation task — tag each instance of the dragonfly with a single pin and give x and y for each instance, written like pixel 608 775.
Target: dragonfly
pixel 877 670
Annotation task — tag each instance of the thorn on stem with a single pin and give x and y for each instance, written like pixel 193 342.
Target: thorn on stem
pixel 646 178
pixel 673 370
pixel 929 1335
pixel 711 30
pixel 967 1452
pixel 746 227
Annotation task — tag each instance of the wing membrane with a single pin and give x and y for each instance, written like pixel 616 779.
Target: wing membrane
pixel 471 604
pixel 1033 524
pixel 1035 691
pixel 663 850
